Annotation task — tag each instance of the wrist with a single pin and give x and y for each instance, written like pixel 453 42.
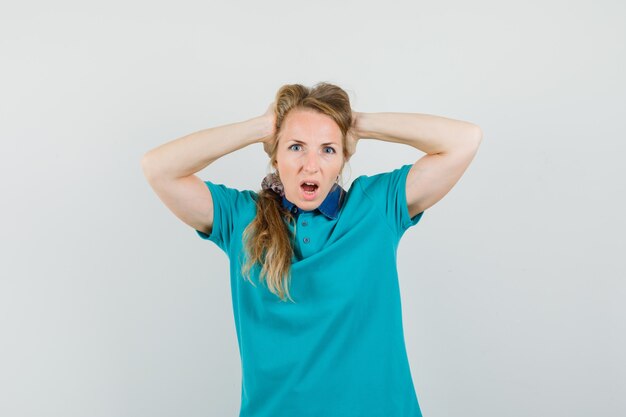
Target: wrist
pixel 262 127
pixel 361 125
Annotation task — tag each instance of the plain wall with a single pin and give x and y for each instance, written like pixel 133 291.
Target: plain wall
pixel 512 285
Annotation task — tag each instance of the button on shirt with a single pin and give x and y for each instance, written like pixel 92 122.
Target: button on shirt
pixel 328 210
pixel 339 350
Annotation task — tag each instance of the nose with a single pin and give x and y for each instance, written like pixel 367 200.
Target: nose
pixel 311 163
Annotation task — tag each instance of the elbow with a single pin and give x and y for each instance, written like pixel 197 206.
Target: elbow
pixel 474 135
pixel 146 166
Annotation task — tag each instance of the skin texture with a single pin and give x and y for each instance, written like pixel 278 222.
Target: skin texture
pixel 319 157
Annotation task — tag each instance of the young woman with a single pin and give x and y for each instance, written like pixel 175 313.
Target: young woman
pixel 313 267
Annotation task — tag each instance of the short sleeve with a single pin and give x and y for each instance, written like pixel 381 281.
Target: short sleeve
pixel 388 191
pixel 230 206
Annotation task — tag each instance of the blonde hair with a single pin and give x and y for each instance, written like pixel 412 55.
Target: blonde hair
pixel 268 239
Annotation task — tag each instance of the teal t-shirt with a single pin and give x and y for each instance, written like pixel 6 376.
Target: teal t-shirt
pixel 339 351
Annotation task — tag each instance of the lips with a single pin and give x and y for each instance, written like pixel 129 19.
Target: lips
pixel 309 182
pixel 309 192
pixel 309 187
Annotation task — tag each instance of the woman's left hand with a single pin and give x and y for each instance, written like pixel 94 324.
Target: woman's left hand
pixel 353 135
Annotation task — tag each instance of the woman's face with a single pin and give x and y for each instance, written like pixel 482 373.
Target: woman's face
pixel 309 150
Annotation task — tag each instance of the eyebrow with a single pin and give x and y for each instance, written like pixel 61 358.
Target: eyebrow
pixel 304 143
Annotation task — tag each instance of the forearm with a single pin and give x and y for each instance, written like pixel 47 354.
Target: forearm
pixel 428 133
pixel 192 153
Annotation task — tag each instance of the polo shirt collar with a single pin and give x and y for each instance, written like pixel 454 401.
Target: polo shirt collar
pixel 329 207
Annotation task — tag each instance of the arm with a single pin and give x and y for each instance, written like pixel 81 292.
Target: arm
pixel 450 146
pixel 170 167
pixel 189 154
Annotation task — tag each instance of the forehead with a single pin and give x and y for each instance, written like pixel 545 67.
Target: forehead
pixel 309 125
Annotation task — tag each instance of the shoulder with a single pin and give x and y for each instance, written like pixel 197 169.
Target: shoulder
pixel 382 180
pixel 385 193
pixel 227 199
pixel 231 192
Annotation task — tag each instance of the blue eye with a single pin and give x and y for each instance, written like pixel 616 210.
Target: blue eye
pixel 328 147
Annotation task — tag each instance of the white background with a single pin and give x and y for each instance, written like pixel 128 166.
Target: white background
pixel 512 285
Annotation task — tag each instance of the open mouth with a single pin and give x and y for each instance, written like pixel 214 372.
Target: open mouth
pixel 309 188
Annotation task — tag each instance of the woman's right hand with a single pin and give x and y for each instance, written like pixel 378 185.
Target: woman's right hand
pixel 270 117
